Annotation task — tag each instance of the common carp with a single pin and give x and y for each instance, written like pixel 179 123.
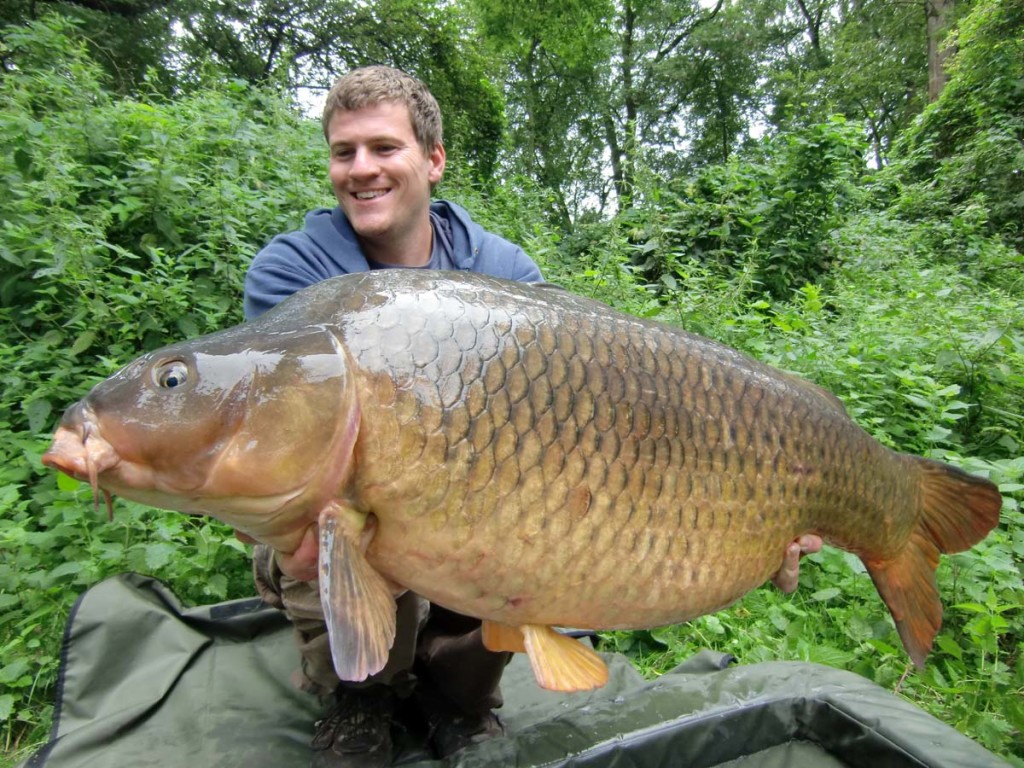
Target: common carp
pixel 518 454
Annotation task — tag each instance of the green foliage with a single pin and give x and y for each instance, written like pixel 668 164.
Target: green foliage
pixel 128 39
pixel 774 212
pixel 310 43
pixel 966 153
pixel 128 223
pixel 717 72
pixel 869 65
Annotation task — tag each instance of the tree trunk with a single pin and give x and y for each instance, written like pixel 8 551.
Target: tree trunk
pixel 628 146
pixel 937 12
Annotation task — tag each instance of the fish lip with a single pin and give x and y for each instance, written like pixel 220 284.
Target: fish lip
pixel 79 451
pixel 78 448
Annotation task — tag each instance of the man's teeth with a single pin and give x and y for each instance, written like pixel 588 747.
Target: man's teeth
pixel 370 195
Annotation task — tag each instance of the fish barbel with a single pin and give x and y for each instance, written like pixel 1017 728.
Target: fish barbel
pixel 518 454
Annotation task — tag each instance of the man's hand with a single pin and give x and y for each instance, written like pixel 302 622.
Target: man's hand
pixel 302 564
pixel 788 576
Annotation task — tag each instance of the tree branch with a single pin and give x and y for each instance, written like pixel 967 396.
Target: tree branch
pixel 687 31
pixel 128 9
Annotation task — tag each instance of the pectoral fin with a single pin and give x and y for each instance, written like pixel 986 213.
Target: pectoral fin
pixel 357 601
pixel 561 663
pixel 501 637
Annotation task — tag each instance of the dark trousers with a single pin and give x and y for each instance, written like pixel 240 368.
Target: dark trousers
pixel 432 644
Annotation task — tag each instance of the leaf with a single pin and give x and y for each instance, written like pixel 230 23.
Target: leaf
pixel 159 554
pixel 66 569
pixel 82 343
pixel 950 646
pixel 7 255
pixel 667 636
pixel 972 607
pixel 823 595
pixel 187 326
pixel 833 657
pixel 38 413
pixel 164 223
pixel 68 484
pixel 217 585
pixel 6 706
pixel 23 160
pixel 714 625
pixel 232 542
pixel 918 400
pixel 11 672
pixel 992 335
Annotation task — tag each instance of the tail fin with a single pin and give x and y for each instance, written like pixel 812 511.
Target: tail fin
pixel 957 511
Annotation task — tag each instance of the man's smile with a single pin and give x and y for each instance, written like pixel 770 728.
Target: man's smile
pixel 370 194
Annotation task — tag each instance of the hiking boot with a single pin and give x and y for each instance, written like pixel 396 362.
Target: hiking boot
pixel 356 730
pixel 450 734
pixel 449 729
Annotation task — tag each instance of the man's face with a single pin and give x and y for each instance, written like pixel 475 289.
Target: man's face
pixel 380 173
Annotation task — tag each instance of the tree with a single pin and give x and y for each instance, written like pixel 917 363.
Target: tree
pixel 876 72
pixel 127 38
pixel 937 14
pixel 964 156
pixel 865 59
pixel 300 42
pixel 645 90
pixel 554 54
pixel 176 45
pixel 596 90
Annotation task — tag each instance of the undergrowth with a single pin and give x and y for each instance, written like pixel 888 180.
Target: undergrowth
pixel 127 224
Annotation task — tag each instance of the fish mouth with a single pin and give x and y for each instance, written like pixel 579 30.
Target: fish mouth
pixel 79 451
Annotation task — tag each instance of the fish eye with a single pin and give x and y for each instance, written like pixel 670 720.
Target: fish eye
pixel 170 374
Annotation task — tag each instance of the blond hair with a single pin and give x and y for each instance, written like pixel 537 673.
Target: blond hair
pixel 369 86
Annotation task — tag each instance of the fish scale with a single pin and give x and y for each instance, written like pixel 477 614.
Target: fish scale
pixel 582 399
pixel 518 454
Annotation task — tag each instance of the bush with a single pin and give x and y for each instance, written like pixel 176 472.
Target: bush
pixel 774 211
pixel 125 225
pixel 966 151
pixel 129 224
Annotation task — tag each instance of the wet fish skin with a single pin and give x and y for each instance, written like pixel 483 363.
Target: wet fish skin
pixel 526 456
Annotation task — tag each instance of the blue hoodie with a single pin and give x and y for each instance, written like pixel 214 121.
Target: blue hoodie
pixel 327 246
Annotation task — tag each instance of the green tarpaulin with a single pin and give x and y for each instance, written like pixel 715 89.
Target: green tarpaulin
pixel 147 683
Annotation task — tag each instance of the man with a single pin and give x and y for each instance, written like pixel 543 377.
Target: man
pixel 383 129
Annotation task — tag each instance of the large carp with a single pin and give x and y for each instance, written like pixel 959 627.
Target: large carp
pixel 518 454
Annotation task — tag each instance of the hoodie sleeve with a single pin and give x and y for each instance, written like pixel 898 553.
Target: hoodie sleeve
pixel 478 250
pixel 326 247
pixel 498 257
pixel 278 271
pixel 524 269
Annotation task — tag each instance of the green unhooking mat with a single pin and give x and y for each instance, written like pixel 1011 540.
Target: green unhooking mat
pixel 144 682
